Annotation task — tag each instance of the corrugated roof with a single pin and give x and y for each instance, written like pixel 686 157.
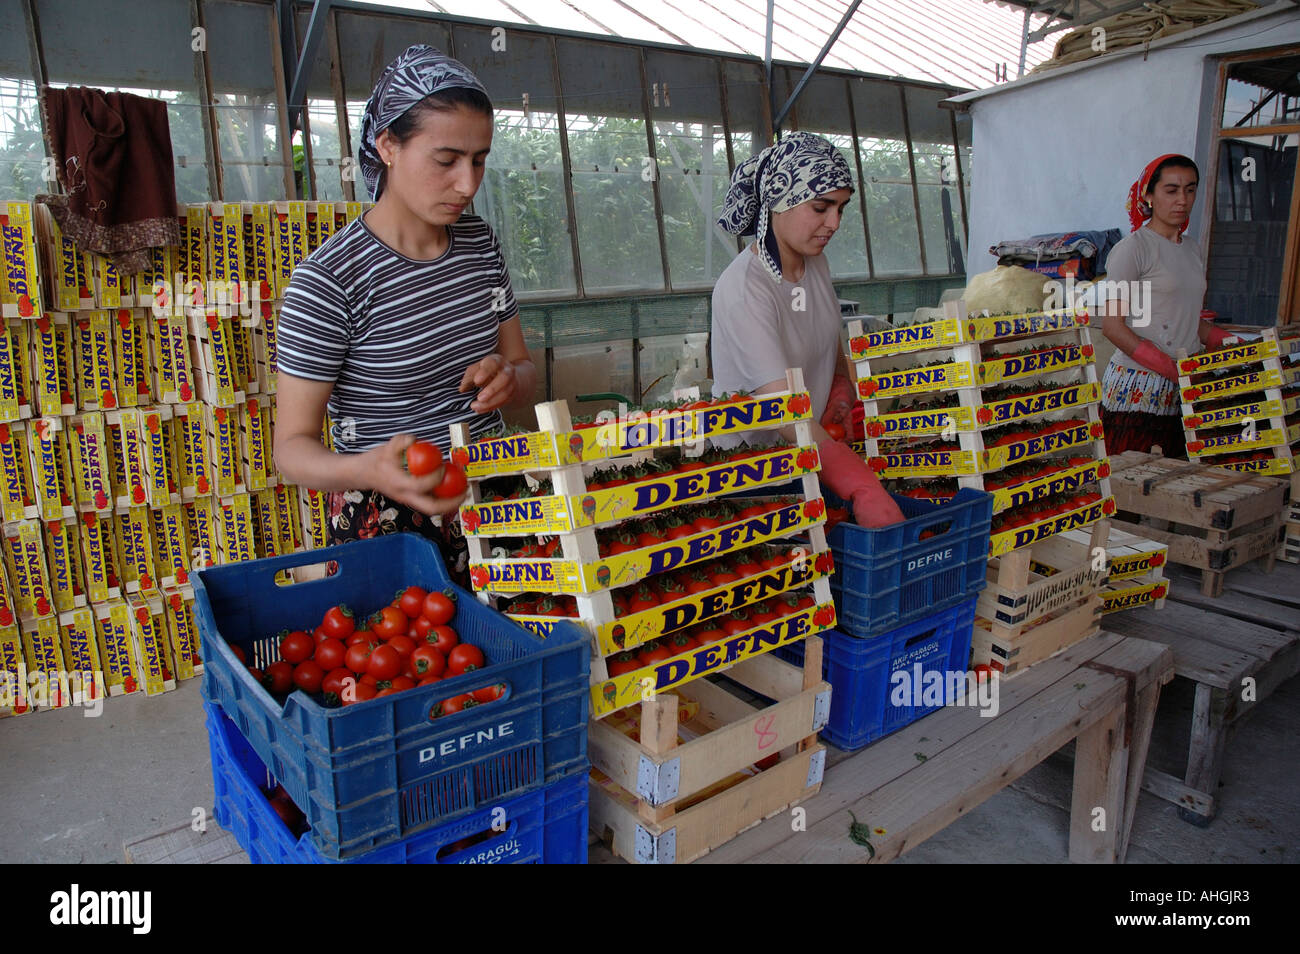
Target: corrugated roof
pixel 955 42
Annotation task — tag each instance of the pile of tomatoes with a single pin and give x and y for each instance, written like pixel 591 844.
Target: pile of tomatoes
pixel 1052 506
pixel 347 659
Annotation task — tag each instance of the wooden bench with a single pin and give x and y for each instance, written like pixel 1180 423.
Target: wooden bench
pixel 1251 631
pixel 1101 693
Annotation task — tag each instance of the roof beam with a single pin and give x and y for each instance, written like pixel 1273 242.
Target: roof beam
pixel 812 67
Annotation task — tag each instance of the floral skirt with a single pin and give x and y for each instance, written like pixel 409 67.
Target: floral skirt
pixel 1141 410
pixel 362 514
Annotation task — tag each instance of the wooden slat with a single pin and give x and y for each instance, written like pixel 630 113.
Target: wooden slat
pixel 1171 789
pixel 1194 658
pixel 1097 797
pixel 937 792
pixel 896 755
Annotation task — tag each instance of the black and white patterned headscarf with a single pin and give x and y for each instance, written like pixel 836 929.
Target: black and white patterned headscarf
pixel 417 73
pixel 800 167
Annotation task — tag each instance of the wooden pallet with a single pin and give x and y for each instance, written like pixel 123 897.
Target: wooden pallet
pixel 1212 519
pixel 1135 570
pixel 659 801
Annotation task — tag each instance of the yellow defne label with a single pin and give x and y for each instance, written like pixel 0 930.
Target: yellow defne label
pixel 1227 357
pixel 1237 384
pixel 103 378
pixel 20 292
pixel 1012 409
pixel 504 455
pixel 30 576
pixel 527 516
pixel 13 671
pixel 288 518
pixel 225 450
pixel 996 458
pixel 1128 597
pixel 1129 565
pixel 60 545
pixel 351 210
pixel 906 338
pixel 916 380
pixel 80 647
pixel 1002 543
pixel 15 490
pixel 114 627
pixel 161 483
pixel 173 543
pixel 522 575
pixel 1071 481
pixel 325 221
pixel 637 628
pixel 219 349
pixel 253 418
pixel 181 634
pixel 1013 326
pixel 632 687
pixel 149 649
pixel 262 266
pixel 93 448
pixel 96 562
pixel 315 529
pixel 47 473
pixel 45 664
pixel 942 463
pixel 10 372
pixel 1232 415
pixel 1014 366
pixel 69 270
pixel 109 283
pixel 1236 441
pixel 920 423
pixel 49 374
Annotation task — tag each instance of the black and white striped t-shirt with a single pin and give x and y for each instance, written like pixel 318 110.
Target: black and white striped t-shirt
pixel 395 335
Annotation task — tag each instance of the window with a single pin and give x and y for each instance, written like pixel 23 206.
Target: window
pixel 887 178
pixel 935 159
pixel 612 171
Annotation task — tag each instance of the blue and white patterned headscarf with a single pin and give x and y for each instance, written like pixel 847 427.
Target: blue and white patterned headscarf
pixel 800 167
pixel 417 73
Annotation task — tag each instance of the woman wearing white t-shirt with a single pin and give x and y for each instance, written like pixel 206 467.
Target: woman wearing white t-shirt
pixel 774 307
pixel 1166 277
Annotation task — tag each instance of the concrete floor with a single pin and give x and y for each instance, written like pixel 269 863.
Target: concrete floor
pixel 75 789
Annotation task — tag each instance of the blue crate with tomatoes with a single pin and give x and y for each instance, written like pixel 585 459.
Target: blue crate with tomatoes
pixel 546 826
pixel 881 685
pixel 387 748
pixel 936 558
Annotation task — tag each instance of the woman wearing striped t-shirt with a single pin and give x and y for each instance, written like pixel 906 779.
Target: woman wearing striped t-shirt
pixel 404 322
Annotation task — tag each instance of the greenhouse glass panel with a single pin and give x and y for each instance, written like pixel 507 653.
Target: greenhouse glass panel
pixel 882 147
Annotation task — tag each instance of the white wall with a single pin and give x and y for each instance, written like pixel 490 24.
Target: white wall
pixel 1061 153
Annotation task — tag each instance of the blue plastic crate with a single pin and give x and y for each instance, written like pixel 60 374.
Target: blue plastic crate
pixel 861 672
pixel 548 826
pixel 890 576
pixel 380 770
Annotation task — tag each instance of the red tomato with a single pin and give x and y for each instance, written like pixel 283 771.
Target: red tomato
pixel 361 693
pixel 308 676
pixel 411 600
pixel 453 482
pixel 710 633
pixel 401 683
pixel 278 678
pixel 338 622
pixel 834 431
pixel 623 663
pixel 643 599
pixel 446 639
pixel 296 647
pixel 653 652
pixel 464 658
pixel 239 654
pixel 403 644
pixel 737 622
pixel 386 691
pixel 456 704
pixel 423 458
pixel 369 680
pixel 428 680
pixel 421 626
pixel 330 654
pixel 385 663
pixel 337 680
pixel 357 657
pixel 439 608
pixel 389 622
pixel 488 693
pixel 428 661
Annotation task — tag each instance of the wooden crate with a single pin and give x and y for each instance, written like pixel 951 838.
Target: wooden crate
pixel 1012 655
pixel 1211 519
pixel 664 802
pixel 1135 570
pixel 1289 548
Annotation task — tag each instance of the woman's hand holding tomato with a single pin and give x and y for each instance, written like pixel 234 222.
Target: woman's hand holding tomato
pixel 388 474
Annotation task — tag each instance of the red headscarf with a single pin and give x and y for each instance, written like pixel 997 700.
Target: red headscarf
pixel 1138 210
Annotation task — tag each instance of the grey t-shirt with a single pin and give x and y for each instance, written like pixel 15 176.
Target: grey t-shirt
pixel 1171 283
pixel 760 328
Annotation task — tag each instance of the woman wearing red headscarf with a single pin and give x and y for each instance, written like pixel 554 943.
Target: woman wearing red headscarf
pixel 1164 276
